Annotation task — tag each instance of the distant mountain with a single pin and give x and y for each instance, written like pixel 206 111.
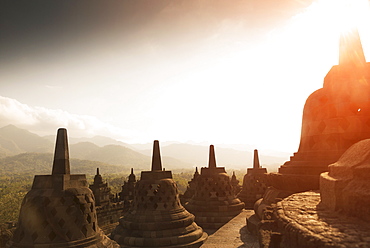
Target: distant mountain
pixel 14 140
pixel 120 155
pixel 97 140
pixel 112 154
pixel 41 164
pixel 175 155
pixel 197 155
pixel 149 146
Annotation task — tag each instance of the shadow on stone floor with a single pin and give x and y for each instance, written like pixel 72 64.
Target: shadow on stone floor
pixel 249 240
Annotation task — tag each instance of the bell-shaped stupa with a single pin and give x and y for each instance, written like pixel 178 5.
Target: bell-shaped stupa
pixel 254 183
pixel 128 188
pixel 59 210
pixel 101 191
pixel 157 218
pixel 214 202
pixel 190 190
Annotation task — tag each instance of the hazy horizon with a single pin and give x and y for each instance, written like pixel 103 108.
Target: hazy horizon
pixel 188 70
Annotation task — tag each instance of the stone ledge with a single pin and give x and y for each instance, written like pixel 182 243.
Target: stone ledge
pixel 305 224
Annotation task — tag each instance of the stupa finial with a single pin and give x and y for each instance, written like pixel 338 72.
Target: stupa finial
pixel 350 49
pixel 97 171
pixel 61 154
pixel 212 158
pixel 256 161
pixel 156 159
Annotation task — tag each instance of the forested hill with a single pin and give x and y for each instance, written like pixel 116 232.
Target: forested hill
pixel 41 164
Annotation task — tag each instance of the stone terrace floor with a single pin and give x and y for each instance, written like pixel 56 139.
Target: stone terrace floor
pixel 310 225
pixel 232 234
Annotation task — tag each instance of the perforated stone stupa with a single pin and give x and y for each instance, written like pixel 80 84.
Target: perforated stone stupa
pixel 254 183
pixel 157 218
pixel 100 190
pixel 335 116
pixel 59 210
pixel 190 190
pixel 214 202
pixel 128 189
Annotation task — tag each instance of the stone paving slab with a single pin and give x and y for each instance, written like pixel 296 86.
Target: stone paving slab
pixel 232 234
pixel 307 224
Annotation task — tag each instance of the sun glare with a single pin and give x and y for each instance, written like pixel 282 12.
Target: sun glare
pixel 348 14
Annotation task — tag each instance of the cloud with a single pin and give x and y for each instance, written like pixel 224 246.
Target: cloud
pixel 44 121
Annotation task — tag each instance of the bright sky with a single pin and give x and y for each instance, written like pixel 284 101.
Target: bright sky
pixel 184 72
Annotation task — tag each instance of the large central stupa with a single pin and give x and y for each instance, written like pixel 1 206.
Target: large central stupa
pixel 334 117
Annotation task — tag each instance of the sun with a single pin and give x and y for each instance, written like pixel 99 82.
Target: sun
pixel 348 14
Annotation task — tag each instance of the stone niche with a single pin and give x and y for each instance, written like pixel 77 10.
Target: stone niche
pixel 346 187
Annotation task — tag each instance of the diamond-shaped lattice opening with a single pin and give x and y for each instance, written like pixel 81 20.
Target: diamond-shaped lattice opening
pixel 94 226
pixel 151 198
pixel 69 235
pixel 321 127
pixel 52 236
pixel 155 205
pixel 84 230
pixel 34 236
pixel 46 201
pixel 76 200
pixel 344 123
pixel 332 140
pixel 77 221
pixel 44 224
pixel 82 207
pixel 61 222
pixel 88 218
pixel 62 200
pixel 69 210
pixel 92 207
pixel 53 212
pixel 311 142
